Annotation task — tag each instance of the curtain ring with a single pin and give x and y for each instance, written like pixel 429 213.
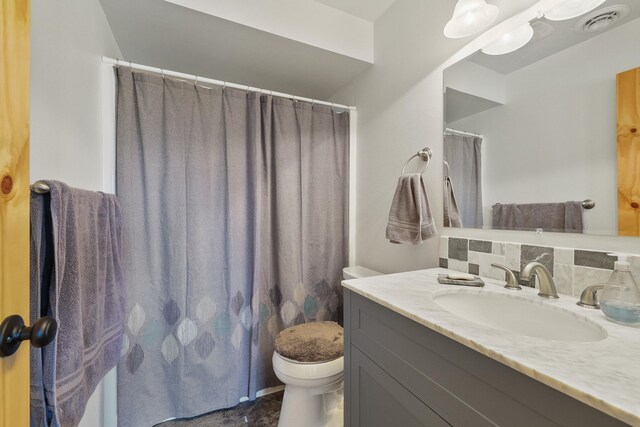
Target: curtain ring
pixel 224 86
pixel 195 84
pixel 162 70
pixel 247 90
pixel 117 62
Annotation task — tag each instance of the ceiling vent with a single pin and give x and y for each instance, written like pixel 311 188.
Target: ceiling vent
pixel 602 19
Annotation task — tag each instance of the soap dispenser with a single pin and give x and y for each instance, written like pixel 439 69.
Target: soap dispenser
pixel 620 298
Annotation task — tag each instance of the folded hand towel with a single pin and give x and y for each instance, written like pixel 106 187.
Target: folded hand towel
pixel 452 216
pixel 82 286
pixel 410 219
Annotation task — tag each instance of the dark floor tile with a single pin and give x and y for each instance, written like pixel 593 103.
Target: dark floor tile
pixel 263 412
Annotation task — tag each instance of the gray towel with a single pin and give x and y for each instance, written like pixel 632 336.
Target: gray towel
pixel 556 217
pixel 410 219
pixel 76 277
pixel 451 212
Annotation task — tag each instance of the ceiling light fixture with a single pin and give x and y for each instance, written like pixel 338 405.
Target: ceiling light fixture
pixel 571 9
pixel 511 41
pixel 469 18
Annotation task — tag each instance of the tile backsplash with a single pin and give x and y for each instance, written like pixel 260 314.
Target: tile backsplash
pixel 572 269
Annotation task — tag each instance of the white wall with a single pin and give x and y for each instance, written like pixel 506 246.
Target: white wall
pixel 397 109
pixel 68 38
pixel 555 138
pixel 474 79
pixel 400 109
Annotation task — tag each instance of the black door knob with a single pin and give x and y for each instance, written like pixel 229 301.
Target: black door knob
pixel 13 332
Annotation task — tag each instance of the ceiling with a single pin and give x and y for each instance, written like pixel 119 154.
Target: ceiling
pixel 551 37
pixel 161 34
pixel 248 43
pixel 369 10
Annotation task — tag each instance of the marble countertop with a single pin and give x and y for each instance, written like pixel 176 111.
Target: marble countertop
pixel 603 374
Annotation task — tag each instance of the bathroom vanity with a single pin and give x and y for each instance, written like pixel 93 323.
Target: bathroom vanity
pixel 411 362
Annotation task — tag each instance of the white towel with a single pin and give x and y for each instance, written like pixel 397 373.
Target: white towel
pixel 410 219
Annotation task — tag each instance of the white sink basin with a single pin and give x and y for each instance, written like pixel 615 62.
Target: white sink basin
pixel 520 315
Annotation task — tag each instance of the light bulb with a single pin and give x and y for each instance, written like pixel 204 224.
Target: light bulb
pixel 511 41
pixel 469 18
pixel 570 9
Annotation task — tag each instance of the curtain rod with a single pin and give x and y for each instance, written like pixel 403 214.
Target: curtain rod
pixel 199 79
pixel 459 132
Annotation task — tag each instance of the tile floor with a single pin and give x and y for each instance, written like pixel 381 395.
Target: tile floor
pixel 262 412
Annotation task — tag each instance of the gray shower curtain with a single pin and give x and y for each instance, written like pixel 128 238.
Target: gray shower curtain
pixel 464 155
pixel 236 227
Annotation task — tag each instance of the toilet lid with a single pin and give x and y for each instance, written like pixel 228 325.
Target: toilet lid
pixel 311 342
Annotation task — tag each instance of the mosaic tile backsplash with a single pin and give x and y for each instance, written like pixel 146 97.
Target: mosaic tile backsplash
pixel 573 269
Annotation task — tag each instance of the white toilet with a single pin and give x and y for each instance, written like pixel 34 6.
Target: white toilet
pixel 313 394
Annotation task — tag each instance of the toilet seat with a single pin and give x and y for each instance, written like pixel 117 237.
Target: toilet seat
pixel 313 342
pixel 307 370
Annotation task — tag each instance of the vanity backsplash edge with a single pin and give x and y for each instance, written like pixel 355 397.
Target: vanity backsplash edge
pixel 573 269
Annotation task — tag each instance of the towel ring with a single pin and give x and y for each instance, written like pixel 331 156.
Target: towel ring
pixel 425 154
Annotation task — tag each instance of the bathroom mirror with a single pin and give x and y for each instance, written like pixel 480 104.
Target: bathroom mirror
pixel 531 136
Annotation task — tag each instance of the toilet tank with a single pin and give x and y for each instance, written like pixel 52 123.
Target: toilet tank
pixel 358 272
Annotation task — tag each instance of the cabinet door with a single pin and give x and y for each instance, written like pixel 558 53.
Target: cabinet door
pixel 380 401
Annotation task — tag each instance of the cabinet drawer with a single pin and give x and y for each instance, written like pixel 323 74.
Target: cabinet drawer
pixel 382 401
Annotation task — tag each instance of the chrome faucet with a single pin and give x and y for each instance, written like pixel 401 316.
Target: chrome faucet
pixel 589 298
pixel 512 281
pixel 547 285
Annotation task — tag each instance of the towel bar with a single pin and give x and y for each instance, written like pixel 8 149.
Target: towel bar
pixel 588 204
pixel 40 187
pixel 425 154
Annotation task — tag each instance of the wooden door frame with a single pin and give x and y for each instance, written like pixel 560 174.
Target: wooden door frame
pixel 14 202
pixel 628 94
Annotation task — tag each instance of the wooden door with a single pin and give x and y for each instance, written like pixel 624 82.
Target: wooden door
pixel 628 88
pixel 14 202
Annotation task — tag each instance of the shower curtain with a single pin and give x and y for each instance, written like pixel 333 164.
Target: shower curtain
pixel 464 155
pixel 236 228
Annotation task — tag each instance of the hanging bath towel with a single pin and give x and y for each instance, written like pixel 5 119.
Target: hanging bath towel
pixel 410 219
pixel 77 278
pixel 564 217
pixel 452 216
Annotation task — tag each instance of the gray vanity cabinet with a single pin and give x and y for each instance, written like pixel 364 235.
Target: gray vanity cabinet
pixel 401 373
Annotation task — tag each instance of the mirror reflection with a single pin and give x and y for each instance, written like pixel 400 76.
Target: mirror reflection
pixel 553 105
